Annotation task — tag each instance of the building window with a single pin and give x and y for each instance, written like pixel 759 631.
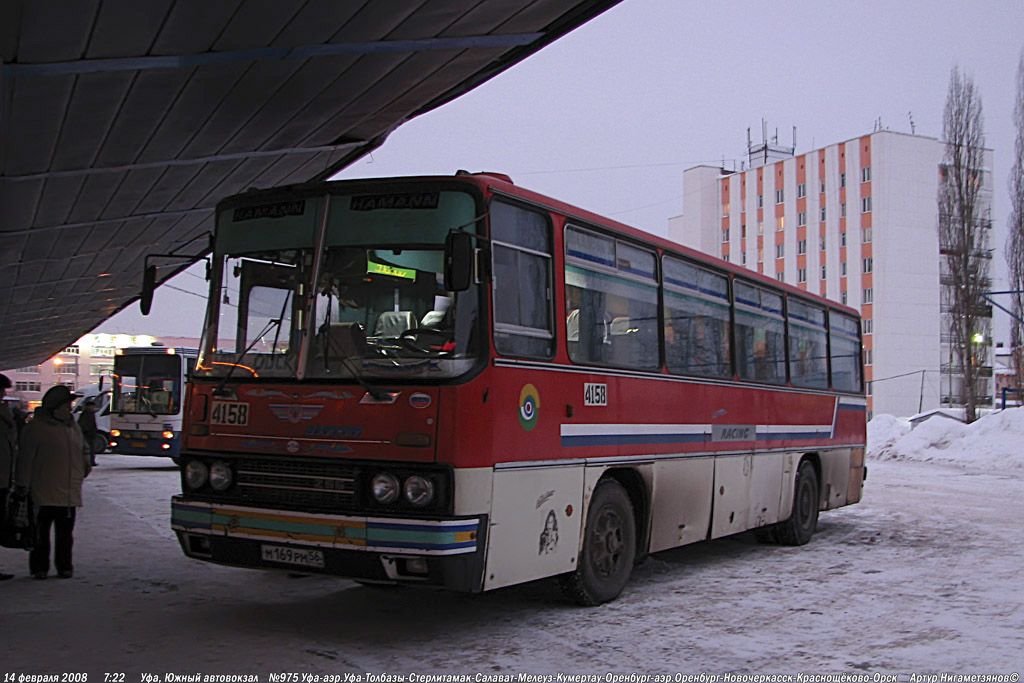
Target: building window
pixel 760 255
pixel 822 187
pixel 865 174
pixel 868 388
pixel 760 201
pixel 725 209
pixel 869 325
pixel 866 264
pixel 66 368
pixel 30 370
pixel 801 247
pixel 760 227
pixel 842 239
pixel 801 190
pixel 842 298
pixel 801 275
pixel 743 230
pixel 28 386
pixel 821 240
pixel 842 180
pixel 868 357
pixel 780 223
pixel 865 235
pixel 824 273
pixel 842 209
pixel 725 234
pixel 71 350
pixel 842 268
pixel 801 218
pixel 869 296
pixel 780 251
pixel 865 204
pixel 743 260
pixel 780 195
pixel 823 214
pixel 781 277
pixel 725 253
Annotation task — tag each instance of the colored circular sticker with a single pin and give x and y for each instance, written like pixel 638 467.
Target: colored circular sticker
pixel 529 406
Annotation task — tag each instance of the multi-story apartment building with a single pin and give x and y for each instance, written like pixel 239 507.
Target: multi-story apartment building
pixel 855 222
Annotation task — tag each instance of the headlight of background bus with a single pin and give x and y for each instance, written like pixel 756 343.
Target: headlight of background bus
pixel 419 490
pixel 385 488
pixel 220 476
pixel 195 474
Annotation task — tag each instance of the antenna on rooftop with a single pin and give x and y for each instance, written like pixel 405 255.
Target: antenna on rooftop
pixel 913 128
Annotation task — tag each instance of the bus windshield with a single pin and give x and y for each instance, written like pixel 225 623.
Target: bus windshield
pixel 371 305
pixel 147 384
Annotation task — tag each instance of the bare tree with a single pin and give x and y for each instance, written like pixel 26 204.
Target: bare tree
pixel 963 237
pixel 1015 239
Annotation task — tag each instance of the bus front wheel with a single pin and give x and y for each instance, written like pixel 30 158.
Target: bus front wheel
pixel 609 548
pixel 798 529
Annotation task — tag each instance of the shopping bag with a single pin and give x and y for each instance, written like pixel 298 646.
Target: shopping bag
pixel 17 528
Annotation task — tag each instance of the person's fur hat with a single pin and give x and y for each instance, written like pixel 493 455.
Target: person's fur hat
pixel 55 397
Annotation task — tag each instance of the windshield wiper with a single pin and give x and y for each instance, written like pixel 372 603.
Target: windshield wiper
pixel 219 391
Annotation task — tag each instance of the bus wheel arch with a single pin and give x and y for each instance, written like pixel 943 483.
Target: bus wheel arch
pixel 609 547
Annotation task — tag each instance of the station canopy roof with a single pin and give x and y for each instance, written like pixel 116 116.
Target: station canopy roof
pixel 124 122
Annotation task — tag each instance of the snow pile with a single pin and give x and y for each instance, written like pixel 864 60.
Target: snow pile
pixel 994 442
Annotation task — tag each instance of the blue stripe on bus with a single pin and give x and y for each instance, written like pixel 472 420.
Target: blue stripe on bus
pixel 434 528
pixel 630 439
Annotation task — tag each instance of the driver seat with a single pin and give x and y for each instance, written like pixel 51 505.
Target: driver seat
pixel 394 323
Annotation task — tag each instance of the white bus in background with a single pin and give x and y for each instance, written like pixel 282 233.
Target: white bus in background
pixel 147 399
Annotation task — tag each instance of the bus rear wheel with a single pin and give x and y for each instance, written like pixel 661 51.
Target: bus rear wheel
pixel 798 529
pixel 609 548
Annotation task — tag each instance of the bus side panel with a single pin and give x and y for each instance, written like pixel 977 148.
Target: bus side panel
pixel 835 478
pixel 748 492
pixel 536 515
pixel 681 501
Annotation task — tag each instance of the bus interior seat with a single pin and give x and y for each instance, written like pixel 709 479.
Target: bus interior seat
pixel 435 320
pixel 394 323
pixel 344 339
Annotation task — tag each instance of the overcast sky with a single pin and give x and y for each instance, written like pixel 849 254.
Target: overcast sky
pixel 610 116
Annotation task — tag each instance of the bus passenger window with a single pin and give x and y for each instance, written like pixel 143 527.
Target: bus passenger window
pixel 760 335
pixel 844 338
pixel 808 347
pixel 521 281
pixel 697 329
pixel 611 301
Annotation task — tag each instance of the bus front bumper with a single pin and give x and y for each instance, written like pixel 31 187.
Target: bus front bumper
pixel 445 552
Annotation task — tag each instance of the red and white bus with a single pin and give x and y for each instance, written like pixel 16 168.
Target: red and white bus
pixel 455 381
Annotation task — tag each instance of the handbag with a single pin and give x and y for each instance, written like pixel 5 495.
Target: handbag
pixel 18 527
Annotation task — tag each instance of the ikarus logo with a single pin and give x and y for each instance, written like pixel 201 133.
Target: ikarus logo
pixel 529 406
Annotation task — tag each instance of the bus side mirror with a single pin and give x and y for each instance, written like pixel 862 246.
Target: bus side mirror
pixel 458 261
pixel 148 286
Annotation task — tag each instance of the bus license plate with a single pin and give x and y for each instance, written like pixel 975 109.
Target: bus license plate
pixel 230 413
pixel 306 557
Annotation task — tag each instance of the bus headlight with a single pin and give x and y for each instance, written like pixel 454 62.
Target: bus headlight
pixel 220 476
pixel 168 435
pixel 419 490
pixel 385 488
pixel 196 474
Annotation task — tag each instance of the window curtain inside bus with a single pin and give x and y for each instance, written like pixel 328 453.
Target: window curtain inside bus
pixel 611 302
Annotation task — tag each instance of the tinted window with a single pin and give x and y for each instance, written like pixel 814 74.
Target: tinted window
pixel 844 338
pixel 697 329
pixel 760 334
pixel 808 345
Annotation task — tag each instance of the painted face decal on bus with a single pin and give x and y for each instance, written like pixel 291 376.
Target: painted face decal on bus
pixel 529 406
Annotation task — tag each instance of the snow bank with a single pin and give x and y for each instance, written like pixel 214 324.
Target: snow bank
pixel 994 442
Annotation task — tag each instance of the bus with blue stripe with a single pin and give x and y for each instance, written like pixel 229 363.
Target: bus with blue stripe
pixel 146 409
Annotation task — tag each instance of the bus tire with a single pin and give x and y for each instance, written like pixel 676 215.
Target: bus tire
pixel 798 529
pixel 609 548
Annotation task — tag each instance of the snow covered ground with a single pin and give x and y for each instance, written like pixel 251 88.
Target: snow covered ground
pixel 923 576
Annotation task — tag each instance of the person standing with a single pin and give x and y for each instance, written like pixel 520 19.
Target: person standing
pixel 53 460
pixel 87 421
pixel 8 439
